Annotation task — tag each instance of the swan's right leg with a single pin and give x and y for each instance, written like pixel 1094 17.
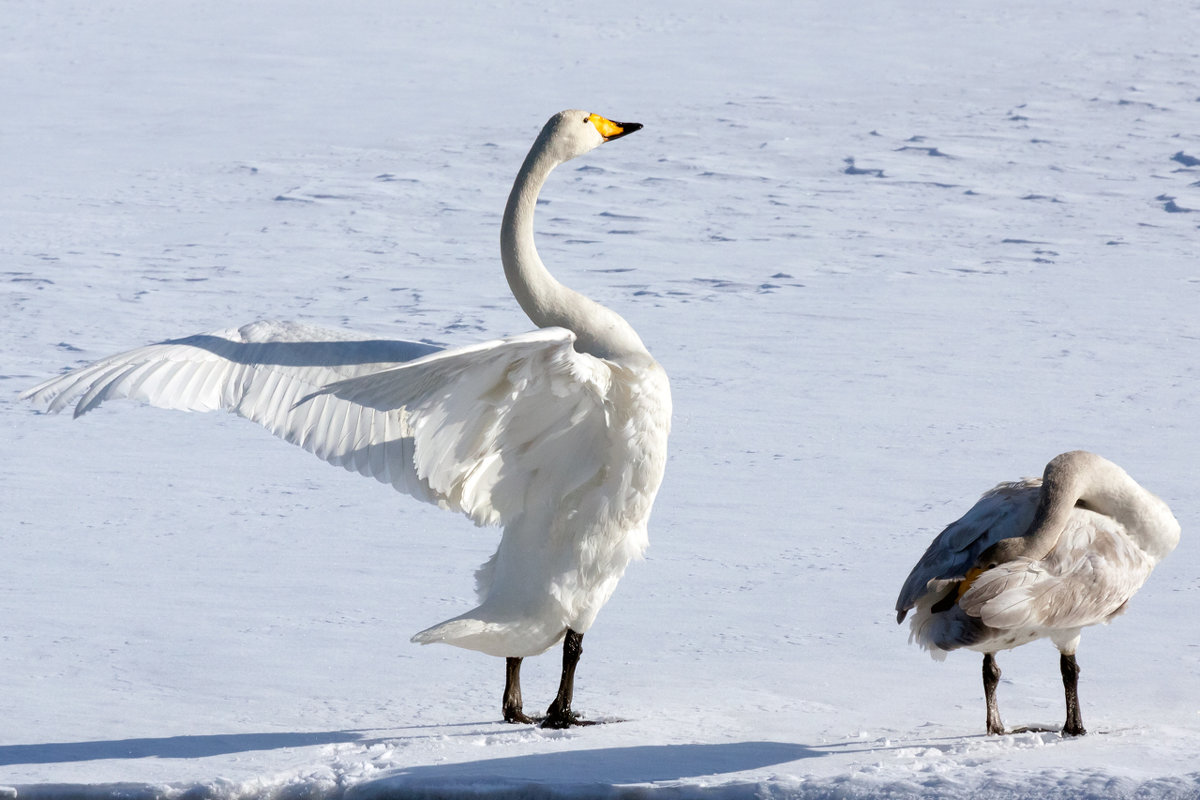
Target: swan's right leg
pixel 1070 676
pixel 991 679
pixel 512 692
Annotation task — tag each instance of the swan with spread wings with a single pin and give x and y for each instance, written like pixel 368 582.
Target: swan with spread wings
pixel 558 435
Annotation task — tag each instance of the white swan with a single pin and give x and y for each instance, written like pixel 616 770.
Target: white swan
pixel 1038 558
pixel 559 435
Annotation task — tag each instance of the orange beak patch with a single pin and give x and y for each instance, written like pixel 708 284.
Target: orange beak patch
pixel 967 580
pixel 613 130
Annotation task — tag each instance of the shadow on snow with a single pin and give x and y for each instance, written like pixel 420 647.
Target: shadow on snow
pixel 165 747
pixel 613 765
pixel 533 775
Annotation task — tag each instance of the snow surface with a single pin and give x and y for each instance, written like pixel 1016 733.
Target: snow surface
pixel 889 253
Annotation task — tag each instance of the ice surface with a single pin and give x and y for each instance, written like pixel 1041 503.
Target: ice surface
pixel 889 253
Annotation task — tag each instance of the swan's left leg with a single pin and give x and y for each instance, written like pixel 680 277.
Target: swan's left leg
pixel 1070 677
pixel 560 715
pixel 512 692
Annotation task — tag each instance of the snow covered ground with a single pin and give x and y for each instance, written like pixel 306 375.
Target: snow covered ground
pixel 889 253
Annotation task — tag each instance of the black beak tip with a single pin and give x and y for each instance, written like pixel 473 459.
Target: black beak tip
pixel 626 129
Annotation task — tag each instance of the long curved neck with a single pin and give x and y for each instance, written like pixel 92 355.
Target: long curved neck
pixel 599 331
pixel 1053 512
pixel 1087 480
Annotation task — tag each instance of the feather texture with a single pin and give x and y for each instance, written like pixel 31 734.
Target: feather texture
pixel 558 435
pixel 966 595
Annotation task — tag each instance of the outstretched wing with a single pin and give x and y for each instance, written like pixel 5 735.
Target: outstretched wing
pixel 444 425
pixel 1001 513
pixel 261 363
pixel 498 424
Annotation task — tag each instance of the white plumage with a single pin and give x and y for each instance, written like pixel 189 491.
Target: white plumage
pixel 1038 558
pixel 558 435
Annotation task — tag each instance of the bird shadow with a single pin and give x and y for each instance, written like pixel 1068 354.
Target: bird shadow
pixel 608 766
pixel 182 747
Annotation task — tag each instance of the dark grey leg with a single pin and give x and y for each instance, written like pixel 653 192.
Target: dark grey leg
pixel 560 715
pixel 1070 676
pixel 512 692
pixel 991 679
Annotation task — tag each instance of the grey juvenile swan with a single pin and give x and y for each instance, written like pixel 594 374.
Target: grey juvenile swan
pixel 1038 558
pixel 559 435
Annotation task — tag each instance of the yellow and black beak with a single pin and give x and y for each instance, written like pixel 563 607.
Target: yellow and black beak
pixel 613 130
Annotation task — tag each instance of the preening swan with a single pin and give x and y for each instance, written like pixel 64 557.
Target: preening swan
pixel 559 435
pixel 1038 558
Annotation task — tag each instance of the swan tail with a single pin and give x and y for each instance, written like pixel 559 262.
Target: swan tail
pixel 516 638
pixel 940 627
pixel 458 632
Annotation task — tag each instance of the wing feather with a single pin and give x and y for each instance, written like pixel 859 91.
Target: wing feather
pixel 467 428
pixel 1003 512
pixel 491 419
pixel 1093 571
pixel 263 397
pixel 374 439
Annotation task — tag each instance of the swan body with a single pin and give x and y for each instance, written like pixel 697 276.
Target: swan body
pixel 1038 558
pixel 558 435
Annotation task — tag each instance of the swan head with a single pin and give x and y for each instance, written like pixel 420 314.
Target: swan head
pixel 1089 480
pixel 574 132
